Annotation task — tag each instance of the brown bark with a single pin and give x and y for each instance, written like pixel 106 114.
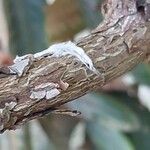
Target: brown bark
pixel 116 46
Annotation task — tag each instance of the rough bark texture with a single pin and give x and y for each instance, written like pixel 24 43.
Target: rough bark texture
pixel 117 45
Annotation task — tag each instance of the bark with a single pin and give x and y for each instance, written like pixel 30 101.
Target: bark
pixel 116 46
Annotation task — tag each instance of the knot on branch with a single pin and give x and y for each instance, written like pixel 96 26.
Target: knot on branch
pixel 118 8
pixel 143 6
pixel 120 14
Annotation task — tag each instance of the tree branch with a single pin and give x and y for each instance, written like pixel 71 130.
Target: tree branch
pixel 47 80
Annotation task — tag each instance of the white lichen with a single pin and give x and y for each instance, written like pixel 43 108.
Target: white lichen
pixel 68 48
pixel 10 105
pixel 45 90
pixel 47 94
pixel 38 95
pixel 20 58
pixel 52 93
pixel 20 64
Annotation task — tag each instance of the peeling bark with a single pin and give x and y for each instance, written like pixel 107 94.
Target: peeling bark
pixel 45 83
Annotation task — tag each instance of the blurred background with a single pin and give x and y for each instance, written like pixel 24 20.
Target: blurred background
pixel 117 117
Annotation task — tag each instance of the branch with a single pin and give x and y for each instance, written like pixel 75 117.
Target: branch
pixel 64 72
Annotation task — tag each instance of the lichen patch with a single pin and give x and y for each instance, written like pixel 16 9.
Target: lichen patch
pixel 68 48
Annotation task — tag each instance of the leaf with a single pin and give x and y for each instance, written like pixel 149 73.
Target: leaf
pixel 119 112
pixel 92 17
pixel 105 138
pixel 26 25
pixel 133 103
pixel 142 74
pixel 141 139
pixel 107 111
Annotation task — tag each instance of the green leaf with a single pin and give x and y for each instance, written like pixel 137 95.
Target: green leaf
pixel 141 139
pixel 142 74
pixel 121 116
pixel 105 138
pixel 133 103
pixel 107 111
pixel 92 17
pixel 26 25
